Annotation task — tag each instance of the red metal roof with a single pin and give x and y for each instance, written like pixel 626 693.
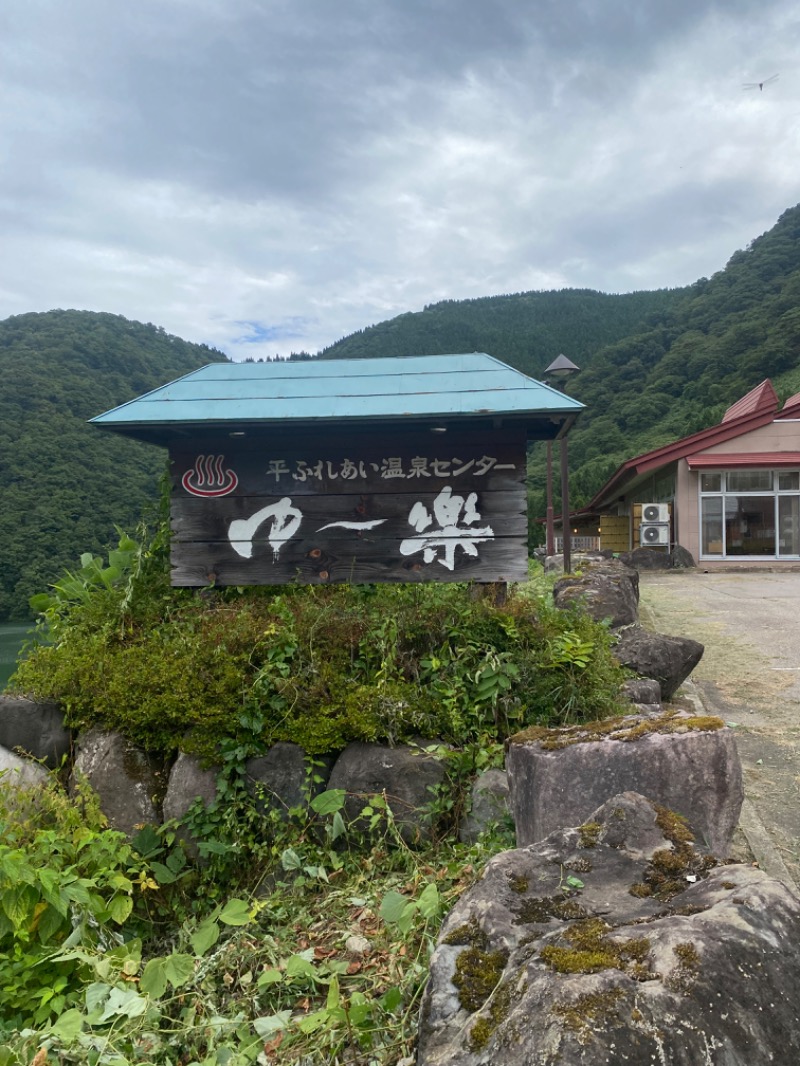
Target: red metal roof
pixel 758 408
pixel 791 409
pixel 724 460
pixel 762 398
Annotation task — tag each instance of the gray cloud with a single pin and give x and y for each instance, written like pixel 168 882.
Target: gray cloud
pixel 268 176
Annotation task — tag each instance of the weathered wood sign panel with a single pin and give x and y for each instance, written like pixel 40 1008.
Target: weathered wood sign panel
pixel 393 507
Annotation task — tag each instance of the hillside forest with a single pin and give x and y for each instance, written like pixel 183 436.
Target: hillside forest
pixel 65 486
pixel 655 366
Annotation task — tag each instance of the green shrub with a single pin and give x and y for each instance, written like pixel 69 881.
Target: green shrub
pixel 320 666
pixel 66 881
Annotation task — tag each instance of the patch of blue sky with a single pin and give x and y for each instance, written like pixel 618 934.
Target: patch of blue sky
pixel 259 333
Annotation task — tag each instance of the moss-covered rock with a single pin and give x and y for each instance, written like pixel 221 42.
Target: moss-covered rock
pixel 686 762
pixel 602 975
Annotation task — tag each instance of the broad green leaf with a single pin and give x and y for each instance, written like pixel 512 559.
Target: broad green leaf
pixel 271 1024
pixel 429 903
pixel 96 995
pixel 120 883
pixel 162 873
pixel 78 893
pixel 147 842
pixel 177 861
pixel 68 1026
pixel 49 924
pixel 270 977
pixel 119 908
pixel 392 906
pixel 212 847
pixel 297 966
pixel 125 1003
pixel 360 1011
pixel 406 919
pixel 205 937
pixel 235 912
pixel 48 880
pixel 391 999
pixel 154 978
pixel 333 993
pixel 290 860
pixel 312 1022
pixel 18 903
pixel 328 802
pixel 338 827
pixel 178 969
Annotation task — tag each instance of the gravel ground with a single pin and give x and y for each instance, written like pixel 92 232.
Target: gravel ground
pixel 749 623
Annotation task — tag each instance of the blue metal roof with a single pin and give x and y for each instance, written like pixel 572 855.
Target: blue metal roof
pixel 431 386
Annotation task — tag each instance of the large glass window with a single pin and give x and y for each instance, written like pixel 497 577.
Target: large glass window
pixel 749 525
pixel 750 513
pixel 748 481
pixel 789 525
pixel 712 525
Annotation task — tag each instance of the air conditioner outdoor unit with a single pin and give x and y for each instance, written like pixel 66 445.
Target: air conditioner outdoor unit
pixel 655 512
pixel 654 533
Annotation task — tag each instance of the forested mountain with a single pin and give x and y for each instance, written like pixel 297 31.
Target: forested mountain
pixel 526 330
pixel 682 371
pixel 655 365
pixel 64 485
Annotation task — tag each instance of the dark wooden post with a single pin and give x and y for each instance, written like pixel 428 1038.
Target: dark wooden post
pixel 565 505
pixel 550 542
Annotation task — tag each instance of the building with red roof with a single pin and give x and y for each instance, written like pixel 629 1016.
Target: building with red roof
pixel 729 494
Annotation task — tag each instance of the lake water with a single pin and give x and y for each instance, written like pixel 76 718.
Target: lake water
pixel 12 636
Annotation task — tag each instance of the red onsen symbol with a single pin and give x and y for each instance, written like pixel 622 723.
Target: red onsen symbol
pixel 207 477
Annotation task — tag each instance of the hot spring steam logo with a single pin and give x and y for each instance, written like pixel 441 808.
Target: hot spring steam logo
pixel 208 477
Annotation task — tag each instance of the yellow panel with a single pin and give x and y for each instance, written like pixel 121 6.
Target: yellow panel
pixel 615 532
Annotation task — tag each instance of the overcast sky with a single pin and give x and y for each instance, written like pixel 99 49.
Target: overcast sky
pixel 270 175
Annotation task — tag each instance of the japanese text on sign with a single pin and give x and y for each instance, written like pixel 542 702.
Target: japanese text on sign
pixel 451 526
pixel 387 469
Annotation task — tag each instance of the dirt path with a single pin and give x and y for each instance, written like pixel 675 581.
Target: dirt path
pixel 750 676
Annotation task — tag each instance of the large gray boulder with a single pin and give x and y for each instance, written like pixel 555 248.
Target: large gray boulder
pixel 554 564
pixel 16 772
pixel 619 945
pixel 605 589
pixel 641 690
pixel 286 779
pixel 34 727
pixel 681 559
pixel 688 763
pixel 188 782
pixel 129 784
pixel 646 559
pixel 669 660
pixel 488 805
pixel 407 774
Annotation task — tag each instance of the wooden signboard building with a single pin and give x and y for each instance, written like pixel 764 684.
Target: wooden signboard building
pixel 358 470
